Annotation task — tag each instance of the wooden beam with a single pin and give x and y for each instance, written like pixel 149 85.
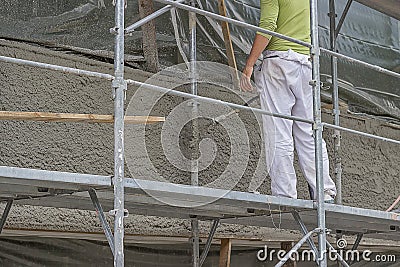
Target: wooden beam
pixel 230 53
pixel 287 246
pixel 225 253
pixel 150 51
pixel 72 117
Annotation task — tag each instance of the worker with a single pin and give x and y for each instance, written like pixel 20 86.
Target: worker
pixel 283 83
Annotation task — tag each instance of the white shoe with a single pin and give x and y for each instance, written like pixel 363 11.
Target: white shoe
pixel 328 198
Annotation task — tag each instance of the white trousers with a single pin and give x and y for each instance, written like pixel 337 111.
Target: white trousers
pixel 283 83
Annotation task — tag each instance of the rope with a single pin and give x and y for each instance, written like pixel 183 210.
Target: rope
pixel 177 38
pixel 394 204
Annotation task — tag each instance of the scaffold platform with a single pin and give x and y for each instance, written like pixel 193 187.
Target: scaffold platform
pixel 145 197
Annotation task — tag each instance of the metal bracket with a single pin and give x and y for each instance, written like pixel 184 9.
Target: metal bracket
pixel 114 30
pixel 102 218
pixel 337 170
pixel 315 51
pixel 336 111
pixel 192 3
pixel 330 14
pixel 115 2
pixel 114 212
pixel 193 103
pixel 316 126
pixel 337 135
pixel 5 214
pixel 118 83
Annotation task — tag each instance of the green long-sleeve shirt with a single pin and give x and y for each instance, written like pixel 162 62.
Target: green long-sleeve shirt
pixel 287 17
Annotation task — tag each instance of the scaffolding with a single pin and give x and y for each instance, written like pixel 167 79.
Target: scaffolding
pixel 117 192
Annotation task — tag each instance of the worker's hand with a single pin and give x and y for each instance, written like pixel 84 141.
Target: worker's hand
pixel 245 83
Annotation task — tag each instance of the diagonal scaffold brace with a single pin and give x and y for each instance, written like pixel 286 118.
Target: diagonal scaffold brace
pixel 339 257
pixel 102 218
pixel 304 231
pixel 207 247
pixel 5 213
pixel 297 246
pixel 150 17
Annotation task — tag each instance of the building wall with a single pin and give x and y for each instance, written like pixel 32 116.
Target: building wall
pixel 370 168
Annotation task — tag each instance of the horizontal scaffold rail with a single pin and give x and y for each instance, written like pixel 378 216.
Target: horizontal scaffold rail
pixel 73 117
pixel 178 93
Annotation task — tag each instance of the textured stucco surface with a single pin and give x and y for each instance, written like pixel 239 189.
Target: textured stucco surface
pixel 370 168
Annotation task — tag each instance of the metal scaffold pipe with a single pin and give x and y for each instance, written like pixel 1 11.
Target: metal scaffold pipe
pixel 335 98
pixel 316 84
pixel 327 125
pixel 215 101
pixel 193 87
pixel 119 86
pixel 194 142
pixel 255 110
pixel 56 68
pixel 145 20
pixel 360 62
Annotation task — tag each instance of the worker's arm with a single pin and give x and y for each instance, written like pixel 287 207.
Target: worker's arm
pixel 268 19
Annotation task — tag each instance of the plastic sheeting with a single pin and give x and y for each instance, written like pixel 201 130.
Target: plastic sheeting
pixel 57 252
pixel 366 34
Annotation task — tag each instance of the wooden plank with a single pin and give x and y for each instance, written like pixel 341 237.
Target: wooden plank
pixel 73 117
pixel 228 43
pixel 150 51
pixel 225 252
pixel 287 246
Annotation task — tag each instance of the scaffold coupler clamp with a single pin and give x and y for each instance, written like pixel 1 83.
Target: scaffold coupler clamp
pixel 313 82
pixel 337 135
pixel 314 51
pixel 335 111
pixel 318 125
pixel 125 5
pixel 117 83
pixel 114 30
pixel 193 103
pixel 191 3
pixel 114 212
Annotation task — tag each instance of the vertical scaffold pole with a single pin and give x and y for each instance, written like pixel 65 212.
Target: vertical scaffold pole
pixel 335 99
pixel 119 86
pixel 195 131
pixel 193 85
pixel 315 54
